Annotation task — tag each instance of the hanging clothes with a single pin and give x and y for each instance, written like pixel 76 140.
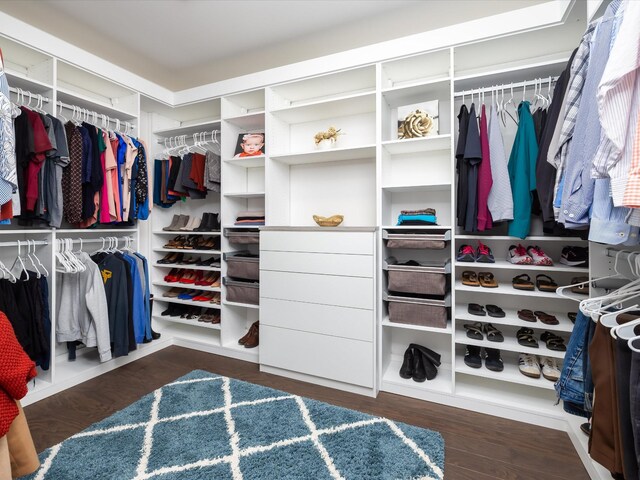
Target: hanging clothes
pixel 461 165
pixel 473 157
pixel 500 199
pixel 8 170
pixel 485 180
pixel 522 168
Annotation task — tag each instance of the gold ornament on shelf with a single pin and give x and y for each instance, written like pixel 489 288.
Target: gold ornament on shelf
pixel 332 221
pixel 331 134
pixel 416 124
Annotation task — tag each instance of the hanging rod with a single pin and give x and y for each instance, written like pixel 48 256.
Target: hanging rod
pixel 24 243
pixel 95 240
pixel 180 140
pixel 507 86
pixel 89 113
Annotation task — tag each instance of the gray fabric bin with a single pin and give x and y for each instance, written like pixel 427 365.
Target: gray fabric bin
pixel 418 314
pixel 242 292
pixel 243 265
pixel 425 278
pixel 417 239
pixel 243 236
pixel 416 244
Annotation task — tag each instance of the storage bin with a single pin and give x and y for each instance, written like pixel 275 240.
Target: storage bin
pixel 422 279
pixel 418 311
pixel 243 236
pixel 243 265
pixel 242 292
pixel 417 239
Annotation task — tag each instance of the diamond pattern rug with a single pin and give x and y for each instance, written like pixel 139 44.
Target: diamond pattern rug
pixel 204 426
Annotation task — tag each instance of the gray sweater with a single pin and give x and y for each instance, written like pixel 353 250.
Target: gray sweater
pixel 82 309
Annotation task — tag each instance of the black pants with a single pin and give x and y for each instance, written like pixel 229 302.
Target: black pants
pixel 623 374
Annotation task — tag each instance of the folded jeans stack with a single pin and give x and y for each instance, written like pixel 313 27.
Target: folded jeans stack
pixel 426 216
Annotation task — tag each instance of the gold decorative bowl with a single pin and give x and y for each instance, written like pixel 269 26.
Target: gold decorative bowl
pixel 332 221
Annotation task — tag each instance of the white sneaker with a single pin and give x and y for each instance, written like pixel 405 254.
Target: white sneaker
pixel 518 255
pixel 550 368
pixel 528 365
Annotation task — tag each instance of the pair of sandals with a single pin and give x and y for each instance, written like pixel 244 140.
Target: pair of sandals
pixel 493 310
pixel 530 316
pixel 552 341
pixel 475 332
pixel 544 283
pixel 484 279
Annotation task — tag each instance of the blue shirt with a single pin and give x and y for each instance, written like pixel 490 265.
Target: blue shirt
pixel 139 314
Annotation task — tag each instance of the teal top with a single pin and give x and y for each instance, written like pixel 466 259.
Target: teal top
pixel 522 172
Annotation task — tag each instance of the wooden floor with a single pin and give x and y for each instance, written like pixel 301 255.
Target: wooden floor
pixel 478 447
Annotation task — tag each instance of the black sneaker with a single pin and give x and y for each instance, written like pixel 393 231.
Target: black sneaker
pixel 472 356
pixel 575 256
pixel 466 253
pixel 484 254
pixel 493 360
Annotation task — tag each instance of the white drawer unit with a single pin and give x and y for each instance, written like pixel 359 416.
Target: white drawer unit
pixel 318 306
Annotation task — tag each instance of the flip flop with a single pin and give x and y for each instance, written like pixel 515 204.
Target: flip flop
pixel 495 311
pixel 493 360
pixel 546 318
pixel 525 338
pixel 475 309
pixel 487 280
pixel 581 289
pixel 493 334
pixel 522 282
pixel 553 341
pixel 545 283
pixel 470 278
pixel 526 315
pixel 474 330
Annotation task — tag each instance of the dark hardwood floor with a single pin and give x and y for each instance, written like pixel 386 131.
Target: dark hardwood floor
pixel 478 447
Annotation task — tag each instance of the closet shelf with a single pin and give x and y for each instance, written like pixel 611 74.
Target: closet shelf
pixel 515 240
pixel 245 195
pixel 247 162
pixel 20 80
pixel 324 156
pixel 503 264
pixel 236 304
pixel 412 84
pixel 182 250
pixel 180 232
pixel 80 100
pixel 417 145
pixel 430 90
pixel 419 328
pixel 234 346
pixel 188 129
pixel 510 344
pixel 511 374
pixel 507 289
pixel 249 121
pixel 248 227
pixel 187 286
pixel 187 267
pixel 392 381
pixel 417 188
pixel 95 231
pixel 511 318
pixel 160 298
pixel 26 231
pixel 183 321
pixel 416 227
pixel 351 104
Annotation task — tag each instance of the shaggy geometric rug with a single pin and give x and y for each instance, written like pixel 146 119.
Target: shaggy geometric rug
pixel 203 426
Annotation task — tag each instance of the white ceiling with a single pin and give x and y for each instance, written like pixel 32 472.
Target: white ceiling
pixel 184 43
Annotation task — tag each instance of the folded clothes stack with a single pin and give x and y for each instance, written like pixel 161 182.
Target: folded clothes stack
pixel 255 217
pixel 426 216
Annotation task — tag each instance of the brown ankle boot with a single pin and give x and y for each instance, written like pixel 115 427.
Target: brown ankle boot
pixel 254 336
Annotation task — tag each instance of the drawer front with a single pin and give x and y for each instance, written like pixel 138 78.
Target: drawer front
pixel 352 292
pixel 352 323
pixel 340 359
pixel 356 243
pixel 322 263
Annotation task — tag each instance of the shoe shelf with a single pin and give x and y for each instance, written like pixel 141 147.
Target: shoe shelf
pixel 392 381
pixel 504 264
pixel 511 373
pixel 184 232
pixel 183 321
pixel 184 250
pixel 255 352
pixel 245 305
pixel 509 290
pixel 187 267
pixel 510 343
pixel 511 318
pixel 246 162
pixel 386 323
pixel 160 298
pixel 189 286
pixel 515 240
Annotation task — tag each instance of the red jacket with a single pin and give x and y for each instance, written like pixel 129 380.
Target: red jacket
pixel 16 369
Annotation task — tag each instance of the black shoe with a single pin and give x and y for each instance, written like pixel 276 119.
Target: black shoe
pixel 575 256
pixel 586 428
pixel 427 352
pixel 472 357
pixel 419 373
pixel 406 370
pixel 203 223
pixel 155 335
pixel 493 361
pixel 214 225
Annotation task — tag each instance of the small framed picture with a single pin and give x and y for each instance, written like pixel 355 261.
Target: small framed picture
pixel 250 144
pixel 418 119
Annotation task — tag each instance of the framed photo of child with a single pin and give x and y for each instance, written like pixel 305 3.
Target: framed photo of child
pixel 250 144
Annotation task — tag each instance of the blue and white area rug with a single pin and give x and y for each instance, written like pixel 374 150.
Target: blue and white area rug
pixel 203 426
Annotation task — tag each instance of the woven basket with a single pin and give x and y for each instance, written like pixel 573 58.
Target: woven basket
pixel 332 221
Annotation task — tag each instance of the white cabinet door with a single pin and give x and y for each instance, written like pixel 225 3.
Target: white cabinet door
pixel 356 243
pixel 321 263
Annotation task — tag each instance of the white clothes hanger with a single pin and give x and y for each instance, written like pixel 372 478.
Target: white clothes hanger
pixel 30 258
pixel 627 331
pixel 19 263
pixel 40 264
pixel 632 344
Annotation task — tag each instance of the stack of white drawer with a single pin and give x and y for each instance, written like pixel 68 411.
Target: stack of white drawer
pixel 318 303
